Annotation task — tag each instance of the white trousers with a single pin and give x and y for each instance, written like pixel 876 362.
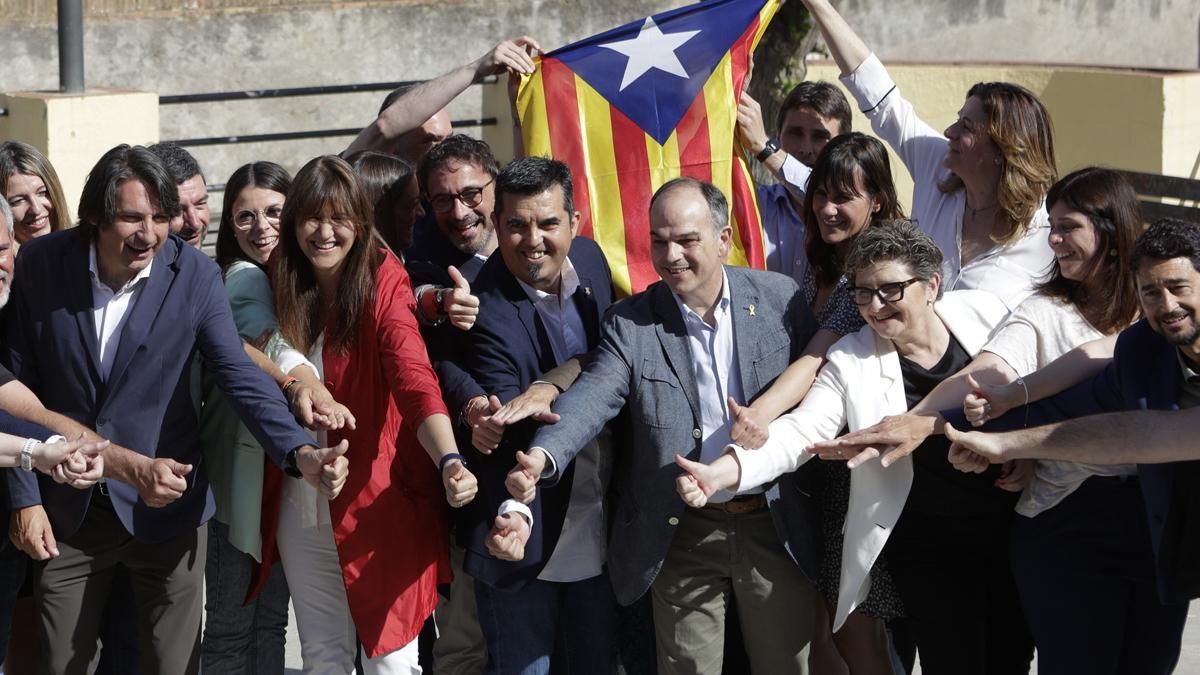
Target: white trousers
pixel 310 561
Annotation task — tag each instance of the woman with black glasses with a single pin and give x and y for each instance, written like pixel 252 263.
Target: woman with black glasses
pixel 945 531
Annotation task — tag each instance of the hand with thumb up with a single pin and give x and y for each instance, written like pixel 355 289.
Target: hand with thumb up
pixel 324 468
pixel 461 485
pixel 987 402
pixel 459 305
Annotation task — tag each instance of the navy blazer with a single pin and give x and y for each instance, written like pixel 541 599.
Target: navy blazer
pixel 1144 374
pixel 457 387
pixel 507 350
pixel 145 404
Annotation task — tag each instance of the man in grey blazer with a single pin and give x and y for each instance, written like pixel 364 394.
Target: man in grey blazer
pixel 682 356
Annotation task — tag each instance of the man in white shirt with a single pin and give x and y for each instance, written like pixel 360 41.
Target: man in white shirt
pixel 107 318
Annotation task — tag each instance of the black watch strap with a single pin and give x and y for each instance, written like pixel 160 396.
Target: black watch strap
pixel 289 465
pixel 771 148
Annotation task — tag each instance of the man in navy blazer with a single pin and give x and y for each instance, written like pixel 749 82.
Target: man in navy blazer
pixel 1154 367
pixel 104 322
pixel 541 296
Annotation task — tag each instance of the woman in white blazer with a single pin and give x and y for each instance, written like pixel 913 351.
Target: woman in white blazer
pixel 945 532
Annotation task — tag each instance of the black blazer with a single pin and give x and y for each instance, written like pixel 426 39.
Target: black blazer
pixel 505 352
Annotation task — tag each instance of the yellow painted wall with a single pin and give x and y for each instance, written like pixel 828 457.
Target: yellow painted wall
pixel 74 131
pixel 1136 120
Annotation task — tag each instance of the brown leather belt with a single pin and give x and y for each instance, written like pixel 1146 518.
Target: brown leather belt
pixel 742 504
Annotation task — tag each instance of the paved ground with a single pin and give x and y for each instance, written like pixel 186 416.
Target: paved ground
pixel 1189 661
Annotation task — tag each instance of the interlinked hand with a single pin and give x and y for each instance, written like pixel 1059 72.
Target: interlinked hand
pixel 459 305
pixel 534 402
pixel 79 462
pixel 973 451
pixel 989 402
pixel 901 433
pixel 160 481
pixel 514 56
pixel 509 534
pixel 317 410
pixel 486 433
pixel 522 480
pixel 749 425
pixel 29 529
pixel 324 468
pixel 1015 474
pixel 459 482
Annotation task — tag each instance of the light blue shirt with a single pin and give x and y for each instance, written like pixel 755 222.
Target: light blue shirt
pixel 783 229
pixel 718 375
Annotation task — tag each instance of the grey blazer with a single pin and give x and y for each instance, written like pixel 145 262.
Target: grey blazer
pixel 644 363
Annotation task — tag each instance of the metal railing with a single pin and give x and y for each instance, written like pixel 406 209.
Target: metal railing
pixel 324 90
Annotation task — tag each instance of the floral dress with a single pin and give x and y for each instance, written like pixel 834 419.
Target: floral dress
pixel 840 315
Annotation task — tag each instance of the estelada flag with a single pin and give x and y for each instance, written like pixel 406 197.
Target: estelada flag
pixel 634 107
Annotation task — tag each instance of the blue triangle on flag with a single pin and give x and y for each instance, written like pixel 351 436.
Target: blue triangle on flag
pixel 657 99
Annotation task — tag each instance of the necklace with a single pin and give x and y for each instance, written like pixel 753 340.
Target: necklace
pixel 975 212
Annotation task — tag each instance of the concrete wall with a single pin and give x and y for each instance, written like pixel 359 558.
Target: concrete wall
pixel 1129 33
pixel 173 47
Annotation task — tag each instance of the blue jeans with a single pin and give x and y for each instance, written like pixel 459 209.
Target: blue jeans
pixel 239 637
pixel 549 627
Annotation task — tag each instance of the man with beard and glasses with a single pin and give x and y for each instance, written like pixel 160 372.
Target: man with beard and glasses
pixel 192 223
pixel 1155 367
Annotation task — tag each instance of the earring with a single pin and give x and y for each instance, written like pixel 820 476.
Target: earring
pixel 1112 252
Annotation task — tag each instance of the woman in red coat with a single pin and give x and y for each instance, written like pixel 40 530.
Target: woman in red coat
pixel 367 563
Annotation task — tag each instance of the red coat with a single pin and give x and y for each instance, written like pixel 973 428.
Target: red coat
pixel 389 521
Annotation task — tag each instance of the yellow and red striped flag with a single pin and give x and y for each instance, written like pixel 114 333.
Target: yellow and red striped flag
pixel 636 106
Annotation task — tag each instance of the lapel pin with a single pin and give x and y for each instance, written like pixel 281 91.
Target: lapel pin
pixel 752 312
pixel 587 290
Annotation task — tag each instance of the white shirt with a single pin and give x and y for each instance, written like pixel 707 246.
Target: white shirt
pixel 110 309
pixel 581 548
pixel 1038 332
pixel 718 376
pixel 1009 271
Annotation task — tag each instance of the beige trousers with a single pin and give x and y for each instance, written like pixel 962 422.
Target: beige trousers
pixel 712 556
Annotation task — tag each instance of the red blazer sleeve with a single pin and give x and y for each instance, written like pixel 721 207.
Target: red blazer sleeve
pixel 401 350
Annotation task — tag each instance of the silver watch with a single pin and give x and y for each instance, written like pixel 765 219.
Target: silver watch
pixel 27 454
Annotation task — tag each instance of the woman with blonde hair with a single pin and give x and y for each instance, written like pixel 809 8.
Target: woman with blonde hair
pixel 33 190
pixel 979 186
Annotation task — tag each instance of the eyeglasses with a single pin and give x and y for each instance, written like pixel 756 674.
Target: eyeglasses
pixel 893 292
pixel 469 197
pixel 245 220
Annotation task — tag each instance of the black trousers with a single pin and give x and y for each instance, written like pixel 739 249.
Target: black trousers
pixel 953 575
pixel 1085 571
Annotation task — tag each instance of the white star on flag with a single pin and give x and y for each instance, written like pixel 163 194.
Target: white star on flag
pixel 651 49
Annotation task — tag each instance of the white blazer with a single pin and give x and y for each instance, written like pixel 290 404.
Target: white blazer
pixel 859 385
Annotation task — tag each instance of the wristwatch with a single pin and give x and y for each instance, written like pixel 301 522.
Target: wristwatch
pixel 440 300
pixel 289 465
pixel 27 454
pixel 771 148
